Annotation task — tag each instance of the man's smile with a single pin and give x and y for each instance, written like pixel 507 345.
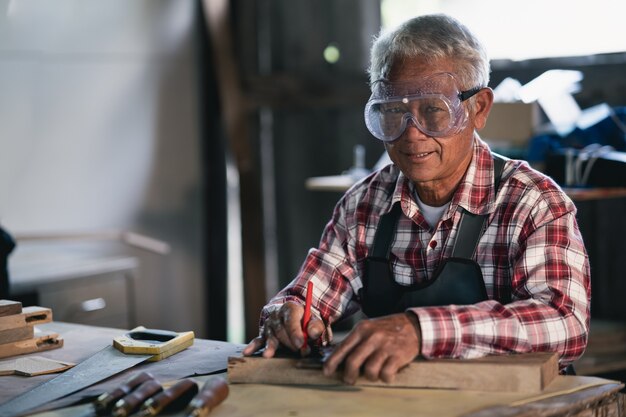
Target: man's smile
pixel 417 156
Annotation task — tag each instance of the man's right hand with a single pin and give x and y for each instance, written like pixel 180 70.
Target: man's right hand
pixel 284 327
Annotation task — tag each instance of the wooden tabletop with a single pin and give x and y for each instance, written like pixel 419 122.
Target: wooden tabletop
pixel 269 401
pixel 584 194
pixel 571 396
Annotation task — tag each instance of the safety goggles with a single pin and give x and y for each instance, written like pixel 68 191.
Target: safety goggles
pixel 433 104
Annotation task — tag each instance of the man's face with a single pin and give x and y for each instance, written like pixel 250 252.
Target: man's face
pixel 429 161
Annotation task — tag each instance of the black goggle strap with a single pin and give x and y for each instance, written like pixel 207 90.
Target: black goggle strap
pixel 464 95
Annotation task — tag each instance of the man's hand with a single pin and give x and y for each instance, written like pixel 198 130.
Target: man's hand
pixel 284 327
pixel 381 346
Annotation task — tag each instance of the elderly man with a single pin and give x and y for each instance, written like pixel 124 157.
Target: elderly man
pixel 451 251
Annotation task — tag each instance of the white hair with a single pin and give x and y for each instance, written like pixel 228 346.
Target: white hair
pixel 431 37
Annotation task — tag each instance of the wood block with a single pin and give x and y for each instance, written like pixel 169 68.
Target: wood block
pixel 530 372
pixel 30 316
pixel 33 365
pixel 8 307
pixel 39 343
pixel 16 334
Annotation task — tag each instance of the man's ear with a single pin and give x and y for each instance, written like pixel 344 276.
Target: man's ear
pixel 483 100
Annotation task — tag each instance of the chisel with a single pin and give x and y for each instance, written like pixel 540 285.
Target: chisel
pixel 173 399
pixel 131 403
pixel 211 395
pixel 105 402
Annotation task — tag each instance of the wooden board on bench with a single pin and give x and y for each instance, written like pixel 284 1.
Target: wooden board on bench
pixel 530 372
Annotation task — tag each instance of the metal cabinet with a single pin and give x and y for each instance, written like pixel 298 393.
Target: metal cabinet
pixel 94 290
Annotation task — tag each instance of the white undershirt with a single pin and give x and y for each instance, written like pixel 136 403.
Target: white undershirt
pixel 430 213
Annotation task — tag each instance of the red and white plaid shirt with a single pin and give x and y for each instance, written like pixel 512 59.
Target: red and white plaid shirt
pixel 531 250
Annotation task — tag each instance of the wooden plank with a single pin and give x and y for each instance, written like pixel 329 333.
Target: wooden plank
pixel 530 372
pixel 30 316
pixel 16 334
pixel 37 344
pixel 8 307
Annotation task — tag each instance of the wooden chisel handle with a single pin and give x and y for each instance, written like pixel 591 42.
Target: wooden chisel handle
pixel 132 401
pixel 173 399
pixel 211 395
pixel 105 402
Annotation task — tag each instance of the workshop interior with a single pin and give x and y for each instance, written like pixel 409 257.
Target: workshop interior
pixel 169 164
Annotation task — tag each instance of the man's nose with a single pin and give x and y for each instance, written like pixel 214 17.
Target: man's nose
pixel 412 129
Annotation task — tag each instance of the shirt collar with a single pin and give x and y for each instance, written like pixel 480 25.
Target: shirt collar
pixel 475 192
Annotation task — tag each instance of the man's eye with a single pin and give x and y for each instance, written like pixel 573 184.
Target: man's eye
pixel 393 110
pixel 434 109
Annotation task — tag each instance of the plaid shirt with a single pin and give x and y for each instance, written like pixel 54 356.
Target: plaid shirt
pixel 531 252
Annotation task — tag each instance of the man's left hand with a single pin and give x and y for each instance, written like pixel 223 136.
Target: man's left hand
pixel 382 346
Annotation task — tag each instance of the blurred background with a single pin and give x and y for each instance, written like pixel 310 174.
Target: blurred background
pixel 170 162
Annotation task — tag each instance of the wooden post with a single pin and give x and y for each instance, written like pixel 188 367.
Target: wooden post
pixel 237 114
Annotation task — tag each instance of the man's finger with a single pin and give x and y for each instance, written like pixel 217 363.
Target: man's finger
pixel 374 364
pixel 392 365
pixel 280 332
pixel 340 353
pixel 292 320
pixel 253 346
pixel 359 355
pixel 315 329
pixel 271 344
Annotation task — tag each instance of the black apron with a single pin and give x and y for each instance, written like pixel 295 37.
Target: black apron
pixel 458 280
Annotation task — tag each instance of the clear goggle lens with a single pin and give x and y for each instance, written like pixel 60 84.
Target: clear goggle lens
pixel 433 105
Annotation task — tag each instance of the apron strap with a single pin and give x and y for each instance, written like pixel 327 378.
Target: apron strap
pixel 385 232
pixel 471 225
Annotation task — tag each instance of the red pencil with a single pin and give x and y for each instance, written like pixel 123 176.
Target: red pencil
pixel 307 315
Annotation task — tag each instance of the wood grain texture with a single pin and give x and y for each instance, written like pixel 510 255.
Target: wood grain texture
pixel 39 343
pixel 507 373
pixel 8 307
pixel 597 401
pixel 16 334
pixel 569 396
pixel 29 316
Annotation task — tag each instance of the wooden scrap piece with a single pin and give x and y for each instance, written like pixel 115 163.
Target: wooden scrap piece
pixel 530 372
pixel 38 343
pixel 16 334
pixel 29 316
pixel 8 307
pixel 32 366
pixel 17 329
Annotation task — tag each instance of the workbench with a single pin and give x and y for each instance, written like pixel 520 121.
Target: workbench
pixel 577 396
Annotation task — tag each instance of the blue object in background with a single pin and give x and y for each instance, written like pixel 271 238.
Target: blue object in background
pixel 608 131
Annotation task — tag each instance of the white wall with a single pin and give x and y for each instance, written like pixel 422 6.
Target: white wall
pixel 99 130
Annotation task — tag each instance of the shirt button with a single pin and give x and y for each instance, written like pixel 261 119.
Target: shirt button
pixel 433 244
